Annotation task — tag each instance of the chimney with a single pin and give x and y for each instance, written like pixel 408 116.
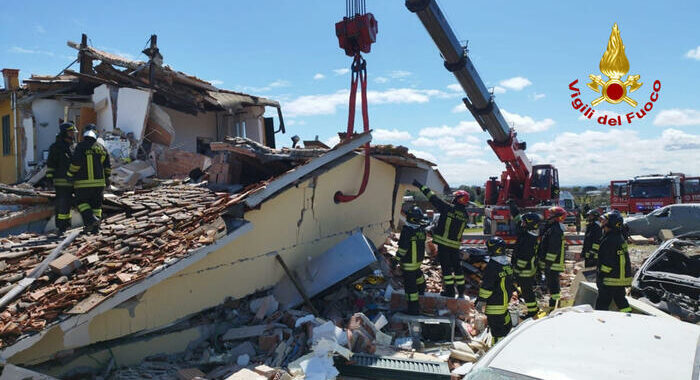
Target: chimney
pixel 11 77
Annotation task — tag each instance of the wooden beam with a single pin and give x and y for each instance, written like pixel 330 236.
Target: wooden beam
pixel 106 57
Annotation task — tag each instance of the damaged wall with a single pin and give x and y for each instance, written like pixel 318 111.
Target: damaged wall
pixel 302 221
pixel 46 113
pixel 189 127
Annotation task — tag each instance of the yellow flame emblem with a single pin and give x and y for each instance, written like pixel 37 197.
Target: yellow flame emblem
pixel 614 65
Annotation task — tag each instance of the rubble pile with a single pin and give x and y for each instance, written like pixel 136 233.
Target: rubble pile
pixel 154 230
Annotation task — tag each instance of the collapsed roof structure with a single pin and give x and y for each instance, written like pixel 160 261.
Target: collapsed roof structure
pixel 204 208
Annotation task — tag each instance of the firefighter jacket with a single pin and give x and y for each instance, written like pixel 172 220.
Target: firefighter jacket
pixel 90 165
pixel 497 285
pixel 411 246
pixel 524 257
pixel 453 219
pixel 551 247
pixel 591 241
pixel 59 160
pixel 614 260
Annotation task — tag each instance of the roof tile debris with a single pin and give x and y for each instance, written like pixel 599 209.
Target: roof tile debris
pixel 154 229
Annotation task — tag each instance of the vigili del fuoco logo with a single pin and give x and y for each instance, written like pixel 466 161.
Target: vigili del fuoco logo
pixel 616 89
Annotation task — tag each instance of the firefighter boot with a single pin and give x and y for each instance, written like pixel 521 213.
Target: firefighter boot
pixel 413 308
pixel 461 289
pixel 421 288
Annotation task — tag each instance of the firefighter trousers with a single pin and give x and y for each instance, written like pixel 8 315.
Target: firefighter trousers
pixel 413 282
pixel 606 294
pixel 452 273
pixel 90 204
pixel 553 286
pixel 63 203
pixel 527 287
pixel 499 324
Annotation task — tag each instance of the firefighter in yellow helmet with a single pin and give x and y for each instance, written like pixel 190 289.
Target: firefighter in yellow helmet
pixel 496 289
pixel 614 267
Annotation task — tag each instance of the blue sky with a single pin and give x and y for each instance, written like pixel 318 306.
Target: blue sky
pixel 528 51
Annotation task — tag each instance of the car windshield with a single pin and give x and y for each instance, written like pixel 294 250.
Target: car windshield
pixel 650 190
pixel 659 211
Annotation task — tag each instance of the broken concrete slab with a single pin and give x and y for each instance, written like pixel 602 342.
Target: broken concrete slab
pixel 102 102
pixel 339 262
pixel 65 264
pixel 665 234
pixel 245 348
pixel 246 374
pixel 264 306
pixel 159 127
pixel 639 239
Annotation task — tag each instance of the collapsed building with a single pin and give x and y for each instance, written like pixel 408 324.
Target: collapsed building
pixel 205 209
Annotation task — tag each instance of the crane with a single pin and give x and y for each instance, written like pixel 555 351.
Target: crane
pixel 521 183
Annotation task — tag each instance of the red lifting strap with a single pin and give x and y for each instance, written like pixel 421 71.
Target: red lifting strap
pixel 359 74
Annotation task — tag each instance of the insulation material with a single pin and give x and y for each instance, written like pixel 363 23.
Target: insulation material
pixel 337 263
pixel 159 128
pixel 102 102
pixel 132 111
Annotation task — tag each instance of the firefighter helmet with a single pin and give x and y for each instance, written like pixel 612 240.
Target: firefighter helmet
pixel 90 133
pixel 67 129
pixel 592 215
pixel 614 220
pixel 557 213
pixel 91 127
pixel 496 246
pixel 531 221
pixel 461 197
pixel 414 215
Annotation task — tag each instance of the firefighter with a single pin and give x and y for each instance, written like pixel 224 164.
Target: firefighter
pixel 591 239
pixel 524 259
pixel 60 154
pixel 411 253
pixel 551 251
pixel 496 289
pixel 89 171
pixel 448 236
pixel 614 268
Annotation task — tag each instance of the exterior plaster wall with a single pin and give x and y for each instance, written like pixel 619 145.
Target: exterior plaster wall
pixel 300 222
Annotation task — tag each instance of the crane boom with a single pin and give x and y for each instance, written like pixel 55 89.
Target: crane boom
pixel 479 99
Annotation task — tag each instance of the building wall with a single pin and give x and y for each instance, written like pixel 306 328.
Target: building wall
pixel 8 164
pixel 188 127
pixel 47 113
pixel 302 221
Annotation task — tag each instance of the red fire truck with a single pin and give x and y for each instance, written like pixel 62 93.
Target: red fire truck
pixel 644 194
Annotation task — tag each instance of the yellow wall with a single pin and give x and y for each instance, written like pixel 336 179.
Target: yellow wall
pixel 301 222
pixel 8 164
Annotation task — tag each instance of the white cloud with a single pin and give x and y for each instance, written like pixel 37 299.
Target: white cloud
pixel 327 104
pixel 499 90
pixel 319 76
pixel 398 74
pixel 454 87
pixel 39 29
pixel 526 123
pixel 677 118
pixel 332 141
pixel 423 154
pixel 390 135
pixel 536 96
pixel 464 127
pixel 616 154
pixel 20 50
pixel 693 53
pixel 279 83
pixel 342 71
pixel 381 79
pixel 515 83
pixel 459 108
pixel 216 82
